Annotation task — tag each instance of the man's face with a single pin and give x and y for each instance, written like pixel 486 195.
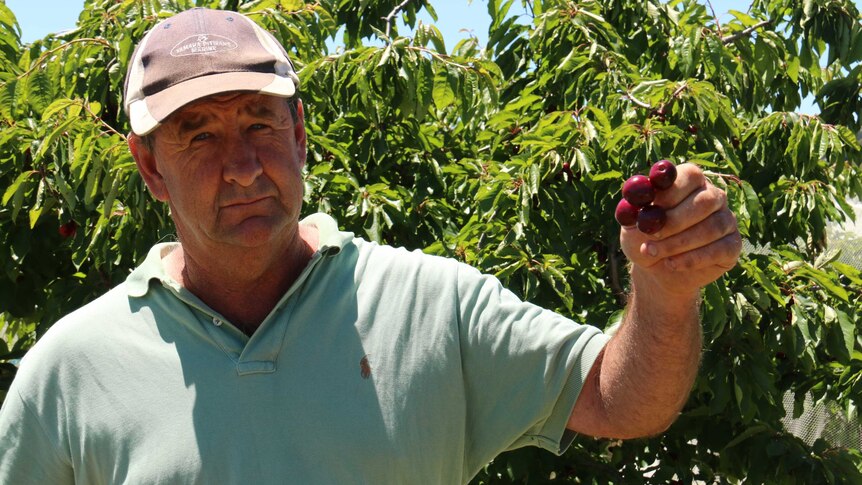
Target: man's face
pixel 230 166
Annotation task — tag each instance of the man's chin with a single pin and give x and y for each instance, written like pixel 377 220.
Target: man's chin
pixel 257 231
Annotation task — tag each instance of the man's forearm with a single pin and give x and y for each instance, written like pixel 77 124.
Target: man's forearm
pixel 648 368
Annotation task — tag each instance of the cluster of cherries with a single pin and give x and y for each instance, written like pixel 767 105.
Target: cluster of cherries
pixel 636 207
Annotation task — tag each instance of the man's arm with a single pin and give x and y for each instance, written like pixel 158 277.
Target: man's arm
pixel 28 454
pixel 644 375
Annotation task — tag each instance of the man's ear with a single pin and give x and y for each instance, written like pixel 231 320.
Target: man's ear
pixel 146 162
pixel 299 133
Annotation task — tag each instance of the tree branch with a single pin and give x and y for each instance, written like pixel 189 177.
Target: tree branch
pixel 529 9
pixel 637 101
pixel 679 90
pixel 392 15
pixel 717 23
pixel 732 38
pixel 665 107
pixel 440 57
pixel 99 119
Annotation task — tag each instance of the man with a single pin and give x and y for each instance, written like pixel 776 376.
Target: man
pixel 263 348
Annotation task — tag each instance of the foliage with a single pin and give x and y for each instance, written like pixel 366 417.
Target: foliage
pixel 507 156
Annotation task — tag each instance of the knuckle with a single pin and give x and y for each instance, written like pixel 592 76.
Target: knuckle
pixel 716 222
pixel 727 222
pixel 707 199
pixel 687 263
pixel 731 248
pixel 717 198
pixel 718 225
pixel 692 170
pixel 721 197
pixel 736 241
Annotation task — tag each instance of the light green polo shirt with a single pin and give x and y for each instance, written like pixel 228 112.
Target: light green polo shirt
pixel 378 366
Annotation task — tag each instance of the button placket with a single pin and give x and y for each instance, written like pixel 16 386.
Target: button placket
pixel 230 342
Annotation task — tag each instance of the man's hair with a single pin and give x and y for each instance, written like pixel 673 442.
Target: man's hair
pixel 149 139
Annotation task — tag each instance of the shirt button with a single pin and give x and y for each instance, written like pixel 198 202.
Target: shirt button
pixel 216 322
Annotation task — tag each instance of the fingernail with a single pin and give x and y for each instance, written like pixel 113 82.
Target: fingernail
pixel 651 249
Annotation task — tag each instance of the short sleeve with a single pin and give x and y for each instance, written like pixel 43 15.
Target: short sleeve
pixel 28 455
pixel 524 368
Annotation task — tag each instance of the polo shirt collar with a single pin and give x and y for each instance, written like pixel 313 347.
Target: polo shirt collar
pixel 330 242
pixel 138 281
pixel 330 239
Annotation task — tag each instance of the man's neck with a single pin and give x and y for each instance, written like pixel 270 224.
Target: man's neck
pixel 244 285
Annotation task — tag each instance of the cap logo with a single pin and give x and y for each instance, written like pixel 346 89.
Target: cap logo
pixel 202 44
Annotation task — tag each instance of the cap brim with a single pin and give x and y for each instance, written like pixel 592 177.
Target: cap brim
pixel 145 115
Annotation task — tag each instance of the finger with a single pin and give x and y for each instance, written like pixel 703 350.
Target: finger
pixel 719 257
pixel 689 178
pixel 717 225
pixel 697 207
pixel 631 240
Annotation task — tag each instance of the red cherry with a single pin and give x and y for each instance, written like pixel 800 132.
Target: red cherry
pixel 662 174
pixel 638 191
pixel 651 219
pixel 626 214
pixel 68 229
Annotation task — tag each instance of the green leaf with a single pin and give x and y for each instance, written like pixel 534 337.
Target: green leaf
pixel 49 141
pixel 39 89
pixel 443 93
pixel 848 330
pixel 761 278
pixel 65 190
pixel 384 57
pixel 753 207
pixel 56 107
pixel 17 185
pixel 800 321
pixel 609 175
pixel 748 433
pixel 850 272
pixel 34 216
pixel 824 280
pixel 715 311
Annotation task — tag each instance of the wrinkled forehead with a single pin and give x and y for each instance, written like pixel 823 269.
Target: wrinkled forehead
pixel 214 110
pixel 239 103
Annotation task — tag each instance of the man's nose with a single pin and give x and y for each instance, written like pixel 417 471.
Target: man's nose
pixel 241 162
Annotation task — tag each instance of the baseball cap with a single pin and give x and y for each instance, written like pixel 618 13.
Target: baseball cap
pixel 198 53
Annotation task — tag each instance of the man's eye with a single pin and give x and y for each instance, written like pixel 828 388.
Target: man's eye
pixel 201 136
pixel 259 126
